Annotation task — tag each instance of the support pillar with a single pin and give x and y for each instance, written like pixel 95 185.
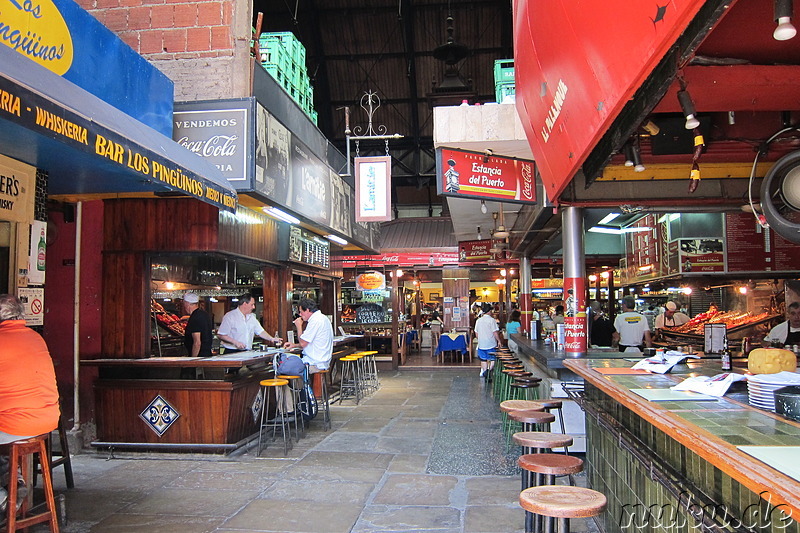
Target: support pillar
pixel 574 281
pixel 525 300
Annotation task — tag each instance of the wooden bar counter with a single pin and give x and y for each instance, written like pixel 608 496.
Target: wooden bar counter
pixel 677 464
pixel 210 404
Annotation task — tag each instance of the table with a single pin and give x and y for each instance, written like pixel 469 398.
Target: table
pixel 450 342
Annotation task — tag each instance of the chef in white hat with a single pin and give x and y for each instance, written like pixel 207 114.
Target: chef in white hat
pixel 671 317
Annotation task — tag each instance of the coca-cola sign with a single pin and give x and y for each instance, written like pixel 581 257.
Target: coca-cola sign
pixel 217 135
pixel 466 174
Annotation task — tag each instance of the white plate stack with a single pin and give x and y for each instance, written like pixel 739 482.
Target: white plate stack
pixel 761 388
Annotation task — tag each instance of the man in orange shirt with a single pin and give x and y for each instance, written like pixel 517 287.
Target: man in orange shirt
pixel 28 392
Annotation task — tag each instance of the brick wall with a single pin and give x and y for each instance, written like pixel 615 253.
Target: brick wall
pixel 202 46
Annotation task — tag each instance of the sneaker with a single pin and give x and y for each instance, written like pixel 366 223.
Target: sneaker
pixel 483 373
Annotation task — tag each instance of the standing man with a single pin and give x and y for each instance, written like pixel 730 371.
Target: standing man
pixel 240 325
pixel 786 333
pixel 28 392
pixel 316 339
pixel 631 327
pixel 670 318
pixel 197 337
pixel 488 335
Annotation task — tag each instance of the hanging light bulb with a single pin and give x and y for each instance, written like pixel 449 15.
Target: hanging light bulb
pixel 638 166
pixel 480 237
pixel 688 109
pixel 783 16
pixel 484 209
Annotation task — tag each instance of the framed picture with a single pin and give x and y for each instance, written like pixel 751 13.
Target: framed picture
pixel 434 296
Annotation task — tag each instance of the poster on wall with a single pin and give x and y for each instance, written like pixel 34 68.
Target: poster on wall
pixel 464 174
pixel 373 177
pixel 702 255
pixel 37 257
pixel 33 301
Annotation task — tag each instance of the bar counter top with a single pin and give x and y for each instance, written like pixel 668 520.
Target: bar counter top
pixel 713 430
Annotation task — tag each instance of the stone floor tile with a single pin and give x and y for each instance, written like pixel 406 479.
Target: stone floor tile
pixel 334 473
pixel 348 492
pixel 211 480
pixel 493 490
pixel 494 519
pixel 408 518
pixel 349 442
pixel 95 504
pixel 416 489
pixel 364 425
pixel 346 459
pixel 414 464
pixel 192 502
pixel 150 523
pixel 411 445
pixel 295 517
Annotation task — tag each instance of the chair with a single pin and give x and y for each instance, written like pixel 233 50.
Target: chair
pixel 436 332
pixel 21 458
pixel 278 420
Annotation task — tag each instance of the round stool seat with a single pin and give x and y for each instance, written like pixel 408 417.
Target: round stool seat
pixel 551 403
pixel 273 382
pixel 552 464
pixel 525 374
pixel 349 358
pixel 562 501
pixel 524 384
pixel 520 405
pixel 531 417
pixel 369 352
pixel 541 439
pixel 528 379
pixel 513 367
pixel 287 376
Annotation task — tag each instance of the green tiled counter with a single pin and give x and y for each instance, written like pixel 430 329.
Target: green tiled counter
pixel 656 461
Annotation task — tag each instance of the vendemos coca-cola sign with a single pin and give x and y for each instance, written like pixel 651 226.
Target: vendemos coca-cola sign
pixel 217 135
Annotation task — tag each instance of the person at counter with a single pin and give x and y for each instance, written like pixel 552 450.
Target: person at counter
pixel 786 333
pixel 199 328
pixel 240 325
pixel 512 326
pixel 671 317
pixel 487 332
pixel 316 339
pixel 28 392
pixel 631 327
pixel 558 316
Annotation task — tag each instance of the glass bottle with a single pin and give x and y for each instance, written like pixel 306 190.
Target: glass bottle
pixel 41 253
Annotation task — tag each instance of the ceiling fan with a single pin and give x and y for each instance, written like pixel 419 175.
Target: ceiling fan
pixel 500 231
pixel 780 197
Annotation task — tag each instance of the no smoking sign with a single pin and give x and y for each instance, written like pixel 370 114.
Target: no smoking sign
pixel 33 300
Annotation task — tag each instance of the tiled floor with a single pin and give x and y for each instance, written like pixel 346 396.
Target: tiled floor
pixel 424 453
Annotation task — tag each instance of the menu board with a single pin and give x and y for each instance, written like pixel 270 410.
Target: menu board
pixel 305 247
pixel 752 248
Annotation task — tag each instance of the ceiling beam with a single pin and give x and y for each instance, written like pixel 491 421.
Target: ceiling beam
pixel 407 12
pixel 414 54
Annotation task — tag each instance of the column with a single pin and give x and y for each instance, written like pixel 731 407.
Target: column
pixel 525 303
pixel 574 281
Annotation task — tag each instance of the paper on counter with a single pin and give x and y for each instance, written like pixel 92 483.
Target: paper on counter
pixel 671 358
pixel 713 386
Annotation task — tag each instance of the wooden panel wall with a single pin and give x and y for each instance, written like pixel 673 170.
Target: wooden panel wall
pixel 251 235
pixel 125 308
pixel 277 308
pixel 169 224
pixel 455 284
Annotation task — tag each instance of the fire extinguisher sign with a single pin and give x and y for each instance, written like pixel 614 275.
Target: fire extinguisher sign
pixel 33 300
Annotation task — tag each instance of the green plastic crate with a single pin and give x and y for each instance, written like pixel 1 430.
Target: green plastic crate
pixel 501 90
pixel 503 71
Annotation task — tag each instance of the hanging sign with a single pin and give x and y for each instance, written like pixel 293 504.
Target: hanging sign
pixel 17 190
pixel 370 281
pixel 373 177
pixel 471 251
pixel 464 174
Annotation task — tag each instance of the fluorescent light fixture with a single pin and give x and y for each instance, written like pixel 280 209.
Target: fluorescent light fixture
pixel 608 218
pixel 605 229
pixel 337 240
pixel 276 213
pixel 633 229
pixel 320 240
pixel 546 291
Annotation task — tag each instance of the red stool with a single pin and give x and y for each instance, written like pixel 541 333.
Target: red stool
pixel 21 459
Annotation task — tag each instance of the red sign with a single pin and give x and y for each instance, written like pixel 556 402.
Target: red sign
pixel 470 251
pixel 702 255
pixel 575 330
pixel 475 175
pixel 577 65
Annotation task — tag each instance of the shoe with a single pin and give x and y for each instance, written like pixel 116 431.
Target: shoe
pixel 483 373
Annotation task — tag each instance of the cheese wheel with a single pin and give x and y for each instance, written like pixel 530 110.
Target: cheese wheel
pixel 771 361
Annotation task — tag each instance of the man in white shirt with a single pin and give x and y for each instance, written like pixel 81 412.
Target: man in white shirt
pixel 317 337
pixel 488 334
pixel 630 327
pixel 671 317
pixel 240 325
pixel 786 333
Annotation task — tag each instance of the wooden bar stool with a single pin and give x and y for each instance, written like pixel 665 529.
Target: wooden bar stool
pixel 278 420
pixel 529 421
pixel 325 399
pixel 541 469
pixel 349 385
pixel 562 502
pixel 516 405
pixel 538 441
pixel 295 386
pixel 21 457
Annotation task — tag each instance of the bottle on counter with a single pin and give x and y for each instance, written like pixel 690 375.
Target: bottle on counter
pixel 726 360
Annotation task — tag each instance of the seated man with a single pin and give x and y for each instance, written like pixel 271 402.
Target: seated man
pixel 28 392
pixel 317 338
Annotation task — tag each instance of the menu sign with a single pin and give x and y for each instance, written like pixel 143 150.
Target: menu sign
pixel 308 248
pixel 478 175
pixel 751 248
pixel 702 255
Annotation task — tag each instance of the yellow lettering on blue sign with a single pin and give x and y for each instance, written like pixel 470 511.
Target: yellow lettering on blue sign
pixel 37 30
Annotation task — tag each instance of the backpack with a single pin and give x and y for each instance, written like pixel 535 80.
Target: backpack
pixel 289 364
pixel 307 401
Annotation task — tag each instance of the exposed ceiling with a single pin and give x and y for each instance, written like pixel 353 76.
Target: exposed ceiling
pixel 389 47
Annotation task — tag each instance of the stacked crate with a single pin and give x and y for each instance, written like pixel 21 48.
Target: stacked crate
pixel 284 57
pixel 503 79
